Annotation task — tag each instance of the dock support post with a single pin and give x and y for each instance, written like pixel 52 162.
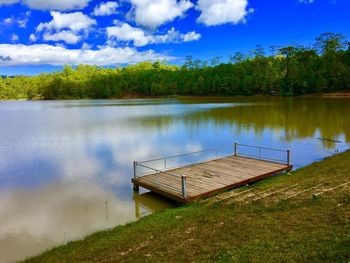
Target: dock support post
pixel 183 184
pixel 236 147
pixel 135 187
pixel 288 156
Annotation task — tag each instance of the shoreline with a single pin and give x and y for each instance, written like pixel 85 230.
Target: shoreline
pixel 339 95
pixel 225 229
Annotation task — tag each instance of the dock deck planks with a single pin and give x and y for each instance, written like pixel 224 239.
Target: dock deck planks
pixel 207 178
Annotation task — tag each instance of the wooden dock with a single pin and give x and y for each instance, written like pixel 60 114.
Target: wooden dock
pixel 203 179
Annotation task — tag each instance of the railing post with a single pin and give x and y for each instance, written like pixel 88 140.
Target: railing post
pixel 236 146
pixel 260 152
pixel 288 156
pixel 135 164
pixel 183 184
pixel 136 187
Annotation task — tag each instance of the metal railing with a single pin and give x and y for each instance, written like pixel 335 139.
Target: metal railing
pixel 259 153
pixel 157 173
pixel 217 152
pixel 238 150
pixel 213 153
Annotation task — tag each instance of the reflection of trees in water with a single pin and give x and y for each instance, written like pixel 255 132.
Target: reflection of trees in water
pixel 298 117
pixel 149 202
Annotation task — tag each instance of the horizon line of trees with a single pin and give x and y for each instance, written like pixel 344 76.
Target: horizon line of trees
pixel 290 70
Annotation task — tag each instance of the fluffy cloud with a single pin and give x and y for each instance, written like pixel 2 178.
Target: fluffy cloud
pixel 191 36
pixel 306 1
pixel 32 38
pixel 8 20
pixel 14 38
pixel 217 12
pixel 21 21
pixel 76 21
pixel 62 5
pixel 86 46
pixel 125 32
pixel 66 36
pixel 106 9
pixel 67 27
pixel 8 2
pixel 153 13
pixel 19 54
pixel 174 36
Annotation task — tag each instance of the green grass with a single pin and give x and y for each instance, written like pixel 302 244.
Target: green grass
pixel 301 229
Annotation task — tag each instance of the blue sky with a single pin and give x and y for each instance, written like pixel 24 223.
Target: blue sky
pixel 39 35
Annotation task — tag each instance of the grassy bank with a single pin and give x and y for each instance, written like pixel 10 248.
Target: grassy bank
pixel 275 220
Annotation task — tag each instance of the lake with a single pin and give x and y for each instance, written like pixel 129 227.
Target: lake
pixel 66 166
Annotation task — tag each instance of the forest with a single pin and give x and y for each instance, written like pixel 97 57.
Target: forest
pixel 289 71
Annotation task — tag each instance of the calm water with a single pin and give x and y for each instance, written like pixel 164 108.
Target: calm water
pixel 66 166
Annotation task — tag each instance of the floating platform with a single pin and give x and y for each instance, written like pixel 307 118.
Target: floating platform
pixel 203 179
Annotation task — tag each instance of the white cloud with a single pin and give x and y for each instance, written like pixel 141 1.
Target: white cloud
pixel 106 9
pixel 67 36
pixel 8 20
pixel 62 5
pixel 153 13
pixel 32 38
pixel 306 1
pixel 191 36
pixel 125 32
pixel 14 37
pixel 8 2
pixel 67 27
pixel 19 54
pixel 174 36
pixel 76 21
pixel 22 22
pixel 86 46
pixel 217 12
pixel 57 4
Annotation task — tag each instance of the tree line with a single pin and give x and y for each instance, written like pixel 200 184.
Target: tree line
pixel 290 70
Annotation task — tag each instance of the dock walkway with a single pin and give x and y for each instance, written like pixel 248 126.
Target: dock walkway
pixel 201 179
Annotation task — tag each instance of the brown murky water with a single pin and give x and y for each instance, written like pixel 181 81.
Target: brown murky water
pixel 66 166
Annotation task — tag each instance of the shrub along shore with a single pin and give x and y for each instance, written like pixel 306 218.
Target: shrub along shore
pixel 303 216
pixel 288 71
